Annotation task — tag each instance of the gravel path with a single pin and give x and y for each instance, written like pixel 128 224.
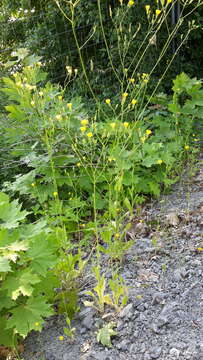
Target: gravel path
pixel 164 271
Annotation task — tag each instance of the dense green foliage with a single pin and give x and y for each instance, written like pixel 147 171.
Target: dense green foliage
pixel 81 166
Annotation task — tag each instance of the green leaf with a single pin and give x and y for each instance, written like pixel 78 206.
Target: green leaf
pixel 20 283
pixel 4 265
pixel 5 301
pixel 104 334
pixel 41 255
pixel 7 337
pixel 25 317
pixel 10 213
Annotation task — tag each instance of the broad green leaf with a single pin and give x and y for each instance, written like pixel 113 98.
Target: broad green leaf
pixel 5 301
pixel 16 113
pixel 41 255
pixel 7 337
pixel 20 283
pixel 4 265
pixel 18 246
pixel 10 213
pixel 29 316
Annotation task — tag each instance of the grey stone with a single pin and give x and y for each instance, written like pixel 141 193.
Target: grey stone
pixel 159 298
pixel 155 352
pixel 123 345
pixel 147 356
pixel 88 321
pixel 67 356
pixel 49 356
pixel 174 353
pixel 126 311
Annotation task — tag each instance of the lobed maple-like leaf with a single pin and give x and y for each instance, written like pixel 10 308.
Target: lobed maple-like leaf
pixel 30 316
pixel 21 283
pixel 41 255
pixel 10 213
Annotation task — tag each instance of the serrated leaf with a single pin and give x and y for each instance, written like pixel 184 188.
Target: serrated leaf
pixel 41 255
pixel 18 246
pixel 4 265
pixel 104 335
pixel 25 317
pixel 20 283
pixel 6 335
pixel 10 213
pixel 5 301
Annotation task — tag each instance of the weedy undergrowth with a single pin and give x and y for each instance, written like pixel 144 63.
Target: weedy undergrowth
pixel 117 298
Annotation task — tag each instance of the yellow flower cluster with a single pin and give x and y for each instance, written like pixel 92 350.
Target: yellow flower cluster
pixel 131 80
pixel 83 128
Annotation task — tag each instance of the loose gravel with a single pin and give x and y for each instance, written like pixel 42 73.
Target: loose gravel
pixel 163 270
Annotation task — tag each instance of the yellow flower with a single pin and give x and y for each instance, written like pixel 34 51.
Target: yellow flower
pixel 41 93
pixel 108 101
pixel 83 129
pixel 33 184
pixel 130 3
pixel 60 97
pixel 124 95
pixel 159 161
pixel 117 235
pixel 36 324
pixel 199 249
pixel 61 338
pixel 158 12
pixel 134 101
pixel 55 193
pixel 169 1
pixel 89 134
pixel 147 8
pixel 148 132
pixel 131 80
pixel 84 122
pixel 58 117
pixel 187 147
pixel 78 164
pixel 113 125
pixel 69 106
pixel 125 124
